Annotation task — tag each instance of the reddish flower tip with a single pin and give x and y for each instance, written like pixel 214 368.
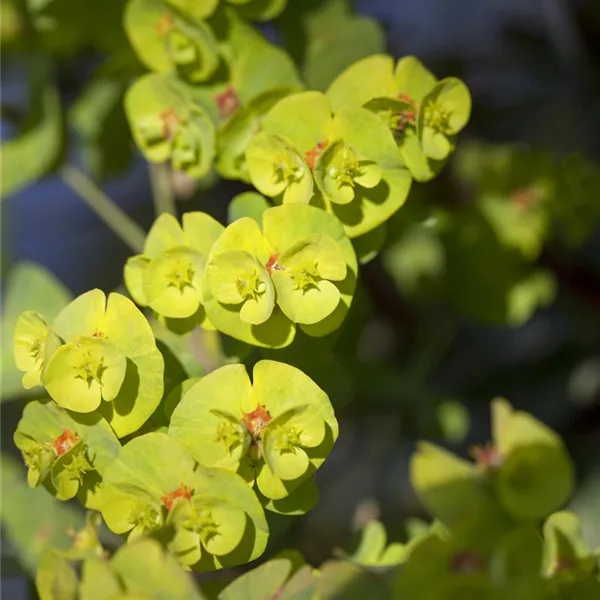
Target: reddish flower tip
pixel 228 102
pixel 181 493
pixel 64 442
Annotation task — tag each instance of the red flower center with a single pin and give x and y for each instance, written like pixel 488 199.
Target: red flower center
pixel 181 493
pixel 255 421
pixel 228 102
pixel 311 156
pixel 272 264
pixel 64 442
pixel 170 120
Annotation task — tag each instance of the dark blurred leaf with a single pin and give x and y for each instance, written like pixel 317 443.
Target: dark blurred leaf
pixel 37 147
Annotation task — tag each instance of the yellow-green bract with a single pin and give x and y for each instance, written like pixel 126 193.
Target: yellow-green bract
pixel 167 124
pixel 276 430
pixel 168 276
pixel 424 115
pixel 524 475
pixel 214 517
pixel 345 161
pixel 65 450
pixel 299 269
pixel 102 356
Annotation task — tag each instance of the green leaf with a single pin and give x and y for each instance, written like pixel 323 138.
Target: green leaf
pixel 368 246
pixel 261 582
pixel 300 501
pixel 369 78
pixel 247 204
pixel 145 568
pixel 564 547
pixel 42 135
pixel 446 484
pixel 98 582
pixel 55 578
pixel 336 37
pixel 32 520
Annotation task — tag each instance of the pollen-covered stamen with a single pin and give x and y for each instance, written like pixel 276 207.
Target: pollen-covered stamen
pixel 287 168
pixel 436 117
pixel 181 493
pixel 78 467
pixel 250 285
pixel 272 264
pixel 466 562
pixel 228 102
pixel 164 25
pixel 311 156
pixel 65 441
pixel 170 122
pixel 487 458
pixel 90 369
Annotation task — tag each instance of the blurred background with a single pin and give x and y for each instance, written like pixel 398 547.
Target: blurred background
pixel 488 279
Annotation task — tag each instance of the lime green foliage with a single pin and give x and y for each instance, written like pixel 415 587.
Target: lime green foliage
pixel 525 473
pixel 326 37
pixel 32 520
pixel 214 519
pixel 167 124
pixel 424 115
pixel 299 269
pixel 64 450
pixel 168 276
pixel 373 551
pixel 275 431
pixel 172 35
pixel 88 356
pixel 346 162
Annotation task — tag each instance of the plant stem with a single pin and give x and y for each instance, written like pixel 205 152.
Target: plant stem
pixel 164 200
pixel 117 219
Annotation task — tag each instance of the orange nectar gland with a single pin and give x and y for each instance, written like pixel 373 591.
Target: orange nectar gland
pixel 311 156
pixel 525 198
pixel 273 265
pixel 181 493
pixel 64 442
pixel 255 421
pixel 164 25
pixel 228 102
pixel 487 458
pixel 170 121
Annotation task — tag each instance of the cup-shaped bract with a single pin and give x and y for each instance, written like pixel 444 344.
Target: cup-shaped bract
pixel 276 168
pixel 167 124
pixel 109 354
pixel 534 475
pixel 155 483
pixel 170 34
pixel 168 276
pixel 299 269
pixel 34 342
pixel 275 431
pixel 566 553
pixel 60 447
pixel 443 112
pixel 339 169
pixel 293 134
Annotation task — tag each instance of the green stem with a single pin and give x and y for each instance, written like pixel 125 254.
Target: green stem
pixel 117 219
pixel 164 200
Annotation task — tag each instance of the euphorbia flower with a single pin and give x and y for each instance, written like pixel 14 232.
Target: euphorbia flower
pixel 300 269
pixel 275 430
